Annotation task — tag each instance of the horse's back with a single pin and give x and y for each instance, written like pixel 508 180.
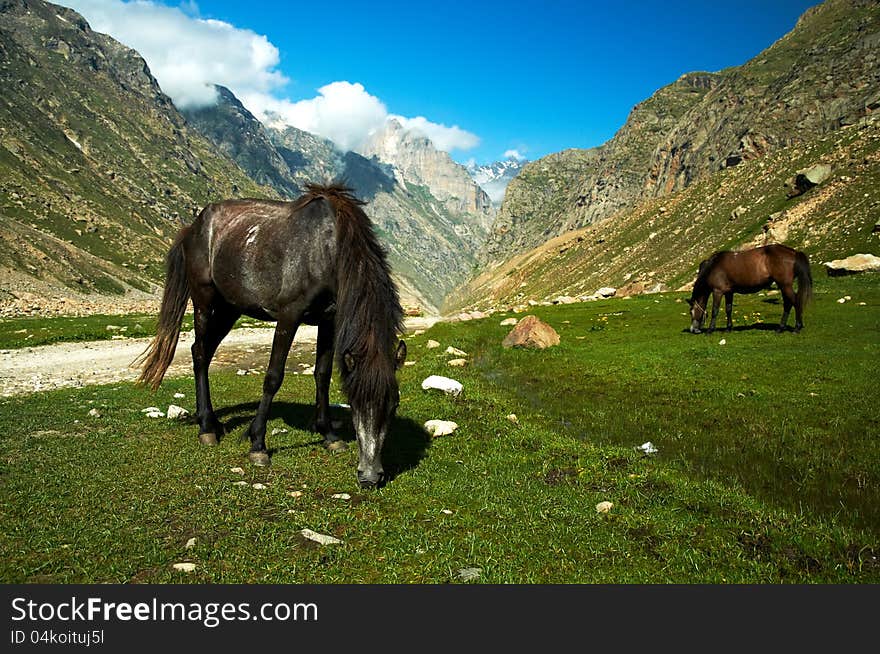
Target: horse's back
pixel 265 253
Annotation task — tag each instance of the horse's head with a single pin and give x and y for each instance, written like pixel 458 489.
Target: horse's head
pixel 374 397
pixel 698 312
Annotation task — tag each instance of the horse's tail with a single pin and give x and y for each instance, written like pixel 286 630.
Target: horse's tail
pixel 159 354
pixel 804 277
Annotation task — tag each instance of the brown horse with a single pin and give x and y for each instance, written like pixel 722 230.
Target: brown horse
pixel 315 261
pixel 726 273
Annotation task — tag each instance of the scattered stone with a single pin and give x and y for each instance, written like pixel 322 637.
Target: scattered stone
pixel 94 413
pixel 648 448
pixel 440 427
pixel 512 418
pixel 241 372
pixel 469 574
pixel 445 384
pixel 258 486
pixel 184 567
pixel 295 493
pixel 278 430
pixel 457 363
pixel 409 363
pixel 446 511
pixel 606 291
pixel 240 483
pixel 531 332
pixel 341 496
pixel 564 299
pixel 322 539
pixel 179 396
pixel 604 507
pixel 508 321
pixel 857 263
pixel 723 341
pixel 191 543
pixel 155 414
pixel 456 351
pixel 431 344
pixel 176 412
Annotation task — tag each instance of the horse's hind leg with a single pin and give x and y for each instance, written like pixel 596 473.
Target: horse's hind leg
pixel 211 324
pixel 323 373
pixel 284 333
pixel 788 299
pixel 728 309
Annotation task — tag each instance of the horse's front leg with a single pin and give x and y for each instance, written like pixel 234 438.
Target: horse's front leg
pixel 283 339
pixel 323 373
pixel 716 305
pixel 728 308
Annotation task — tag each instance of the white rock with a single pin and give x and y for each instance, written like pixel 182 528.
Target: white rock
pixel 604 507
pixel 258 486
pixel 295 493
pixel 323 539
pixel 445 384
pixel 341 496
pixel 178 396
pixel 150 409
pixel 191 543
pixel 240 483
pixel 512 417
pixel 155 414
pixel 606 291
pixel 508 321
pixel 841 300
pixel 446 511
pixel 456 351
pixel 278 430
pixel 176 412
pixel 431 344
pixel 409 363
pixel 236 470
pixel 723 341
pixel 94 413
pixel 184 567
pixel 440 427
pixel 648 448
pixel 468 574
pixel 457 363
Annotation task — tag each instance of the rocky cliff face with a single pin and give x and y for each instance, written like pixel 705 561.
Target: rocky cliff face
pixel 98 170
pixel 822 75
pixel 418 162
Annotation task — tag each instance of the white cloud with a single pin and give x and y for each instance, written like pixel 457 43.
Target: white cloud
pixel 188 55
pixel 514 154
pixel 443 137
pixel 342 112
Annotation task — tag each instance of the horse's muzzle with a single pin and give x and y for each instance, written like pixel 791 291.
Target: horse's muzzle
pixel 370 479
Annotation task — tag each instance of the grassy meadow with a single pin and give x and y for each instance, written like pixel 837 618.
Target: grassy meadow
pixel 767 469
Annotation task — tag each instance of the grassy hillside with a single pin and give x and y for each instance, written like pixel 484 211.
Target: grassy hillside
pixel 663 240
pixel 766 470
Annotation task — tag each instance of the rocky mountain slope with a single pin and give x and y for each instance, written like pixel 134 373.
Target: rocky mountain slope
pixel 822 75
pixel 657 245
pixel 98 170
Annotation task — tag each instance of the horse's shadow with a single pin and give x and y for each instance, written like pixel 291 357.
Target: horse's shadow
pixel 405 445
pixel 758 326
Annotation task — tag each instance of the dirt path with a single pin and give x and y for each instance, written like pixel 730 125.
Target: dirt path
pixel 33 369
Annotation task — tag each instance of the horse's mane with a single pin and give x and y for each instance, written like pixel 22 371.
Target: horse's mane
pixel 368 312
pixel 705 269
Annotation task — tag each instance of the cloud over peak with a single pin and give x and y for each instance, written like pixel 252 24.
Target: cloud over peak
pixel 188 55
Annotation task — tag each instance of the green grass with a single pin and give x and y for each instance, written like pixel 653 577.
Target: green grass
pixel 29 332
pixel 767 470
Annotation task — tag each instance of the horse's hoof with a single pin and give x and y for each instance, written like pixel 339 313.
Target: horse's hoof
pixel 259 458
pixel 208 439
pixel 335 446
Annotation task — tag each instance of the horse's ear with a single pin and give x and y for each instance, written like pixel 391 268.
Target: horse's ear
pixel 401 354
pixel 348 360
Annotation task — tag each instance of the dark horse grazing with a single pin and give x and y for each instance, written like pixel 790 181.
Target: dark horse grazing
pixel 726 273
pixel 315 261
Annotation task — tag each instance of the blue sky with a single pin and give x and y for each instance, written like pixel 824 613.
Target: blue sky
pixel 534 77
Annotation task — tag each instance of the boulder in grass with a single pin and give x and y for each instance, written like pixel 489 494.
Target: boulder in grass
pixel 531 332
pixel 857 263
pixel 508 322
pixel 440 427
pixel 445 384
